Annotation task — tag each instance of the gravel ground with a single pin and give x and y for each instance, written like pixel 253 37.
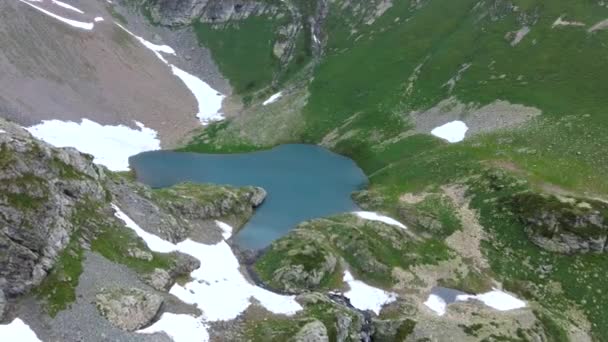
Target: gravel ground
pixel 82 322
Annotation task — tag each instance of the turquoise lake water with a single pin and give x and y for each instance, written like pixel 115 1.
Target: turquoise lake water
pixel 303 182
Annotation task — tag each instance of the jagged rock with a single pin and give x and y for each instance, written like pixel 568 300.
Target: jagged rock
pixel 128 309
pixel 41 189
pixel 183 12
pixel 314 331
pixel 183 264
pixel 187 209
pixel 563 225
pixel 159 279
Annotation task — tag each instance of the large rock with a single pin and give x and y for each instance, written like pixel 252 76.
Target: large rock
pixel 565 225
pixel 314 331
pixel 159 279
pixel 186 210
pixel 128 309
pixel 42 191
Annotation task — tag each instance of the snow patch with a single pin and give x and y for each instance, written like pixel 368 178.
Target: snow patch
pixel 17 330
pixel 372 216
pixel 110 145
pixel 68 6
pixel 602 25
pixel 437 304
pixel 453 132
pixel 180 328
pixel 209 100
pixel 365 297
pixel 272 99
pixel 520 34
pixel 560 22
pixel 98 19
pixel 218 287
pixel 226 229
pixel 496 299
pixel 2 131
pixel 74 23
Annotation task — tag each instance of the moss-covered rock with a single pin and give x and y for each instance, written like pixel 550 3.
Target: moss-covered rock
pixel 560 224
pixel 311 256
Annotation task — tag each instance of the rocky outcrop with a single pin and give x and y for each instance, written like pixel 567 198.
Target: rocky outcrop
pixel 42 190
pixel 314 331
pixel 128 309
pixel 187 209
pixel 159 279
pixel 310 257
pixel 563 224
pixel 184 12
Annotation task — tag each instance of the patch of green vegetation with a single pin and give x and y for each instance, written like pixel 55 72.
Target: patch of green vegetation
pixel 473 282
pixel 32 192
pixel 114 242
pixel 516 261
pixel 242 50
pixel 553 330
pixel 58 288
pixel 275 329
pixel 472 329
pixel 370 249
pixel 206 142
pixel 405 329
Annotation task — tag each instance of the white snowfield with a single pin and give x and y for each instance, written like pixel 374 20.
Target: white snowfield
pixel 17 331
pixel 110 145
pixel 496 299
pixel 453 132
pixel 208 99
pixel 218 287
pixel 272 98
pixel 365 297
pixel 437 304
pixel 372 216
pixel 73 23
pixel 98 19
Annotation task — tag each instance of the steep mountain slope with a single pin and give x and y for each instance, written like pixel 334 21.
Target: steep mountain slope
pixel 523 76
pixel 480 123
pixel 53 70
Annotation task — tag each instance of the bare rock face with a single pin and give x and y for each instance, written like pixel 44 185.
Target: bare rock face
pixel 41 190
pixel 314 331
pixel 128 309
pixel 159 279
pixel 184 12
pixel 563 225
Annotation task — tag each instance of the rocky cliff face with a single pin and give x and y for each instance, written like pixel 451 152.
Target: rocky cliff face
pixel 563 224
pixel 41 190
pixel 55 198
pixel 184 12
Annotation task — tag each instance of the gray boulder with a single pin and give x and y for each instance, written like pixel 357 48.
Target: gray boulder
pixel 159 279
pixel 128 309
pixel 314 331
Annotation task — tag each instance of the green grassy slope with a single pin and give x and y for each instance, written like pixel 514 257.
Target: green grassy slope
pixel 371 79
